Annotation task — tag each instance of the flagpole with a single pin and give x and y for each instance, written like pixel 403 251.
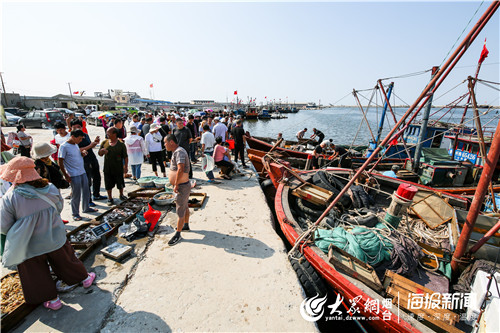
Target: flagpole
pixel 457 132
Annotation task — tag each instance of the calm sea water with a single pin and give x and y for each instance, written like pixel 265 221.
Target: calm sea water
pixel 342 124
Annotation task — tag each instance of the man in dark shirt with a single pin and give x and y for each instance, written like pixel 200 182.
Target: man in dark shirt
pixel 146 126
pixel 90 162
pixel 115 163
pixel 342 154
pixel 184 138
pixel 238 134
pixel 319 134
pixel 164 131
pixel 191 126
pixel 316 155
pixel 122 132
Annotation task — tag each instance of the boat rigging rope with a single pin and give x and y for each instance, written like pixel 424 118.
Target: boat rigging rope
pixel 448 130
pixel 396 96
pixel 466 26
pixel 489 86
pixel 458 85
pixel 481 80
pixel 406 75
pixel 451 107
pixel 349 93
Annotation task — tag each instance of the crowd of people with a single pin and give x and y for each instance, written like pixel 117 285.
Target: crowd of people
pixel 32 196
pixel 33 233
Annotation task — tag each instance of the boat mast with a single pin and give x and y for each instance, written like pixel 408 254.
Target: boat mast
pixel 382 118
pixel 440 75
pixel 455 139
pixel 490 162
pixel 423 127
pixel 480 136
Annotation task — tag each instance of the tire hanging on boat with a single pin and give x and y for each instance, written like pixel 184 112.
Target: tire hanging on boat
pixel 330 183
pixel 308 277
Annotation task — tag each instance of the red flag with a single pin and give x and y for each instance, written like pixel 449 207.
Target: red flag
pixel 484 53
pixel 265 97
pixel 76 92
pixel 151 85
pixel 236 92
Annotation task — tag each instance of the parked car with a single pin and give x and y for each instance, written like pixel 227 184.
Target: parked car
pixel 43 119
pixel 16 111
pixel 66 111
pixel 93 118
pixel 12 120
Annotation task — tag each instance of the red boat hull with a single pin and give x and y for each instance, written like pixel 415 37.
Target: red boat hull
pixel 348 290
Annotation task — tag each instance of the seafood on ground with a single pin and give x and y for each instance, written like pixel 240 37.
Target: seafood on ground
pixel 140 200
pixel 135 205
pixel 147 192
pixel 83 236
pixel 12 293
pixel 117 214
pixel 165 197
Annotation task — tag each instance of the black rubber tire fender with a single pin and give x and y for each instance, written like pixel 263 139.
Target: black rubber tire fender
pixel 308 277
pixel 307 210
pixel 320 180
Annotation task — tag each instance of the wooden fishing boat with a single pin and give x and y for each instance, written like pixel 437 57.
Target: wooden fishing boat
pixel 348 284
pixel 265 145
pixel 252 112
pixel 299 163
pixel 264 115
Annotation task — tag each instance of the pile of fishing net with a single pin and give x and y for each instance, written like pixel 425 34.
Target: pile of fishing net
pixel 373 246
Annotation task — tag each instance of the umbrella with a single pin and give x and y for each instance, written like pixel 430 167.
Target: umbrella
pixel 105 114
pixel 199 114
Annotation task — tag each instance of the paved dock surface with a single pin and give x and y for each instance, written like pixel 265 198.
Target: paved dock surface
pixel 230 273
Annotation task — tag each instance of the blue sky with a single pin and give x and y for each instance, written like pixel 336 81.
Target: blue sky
pixel 303 51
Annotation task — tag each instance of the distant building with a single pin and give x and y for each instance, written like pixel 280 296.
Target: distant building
pixel 202 102
pixel 122 97
pixel 12 100
pixel 65 101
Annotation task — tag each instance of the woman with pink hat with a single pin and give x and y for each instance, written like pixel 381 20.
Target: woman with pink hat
pixel 35 235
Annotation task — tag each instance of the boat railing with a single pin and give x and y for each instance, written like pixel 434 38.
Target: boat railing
pixel 470 134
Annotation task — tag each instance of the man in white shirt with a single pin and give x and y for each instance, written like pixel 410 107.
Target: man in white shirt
pixel 72 167
pixel 220 130
pixel 207 148
pixel 135 121
pixel 62 135
pixel 300 134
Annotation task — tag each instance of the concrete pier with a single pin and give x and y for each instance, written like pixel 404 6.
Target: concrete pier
pixel 230 273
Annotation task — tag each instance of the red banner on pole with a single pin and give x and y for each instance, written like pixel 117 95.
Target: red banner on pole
pixel 484 53
pixel 236 92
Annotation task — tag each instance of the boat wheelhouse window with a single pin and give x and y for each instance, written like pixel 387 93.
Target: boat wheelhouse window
pixel 438 138
pixel 474 149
